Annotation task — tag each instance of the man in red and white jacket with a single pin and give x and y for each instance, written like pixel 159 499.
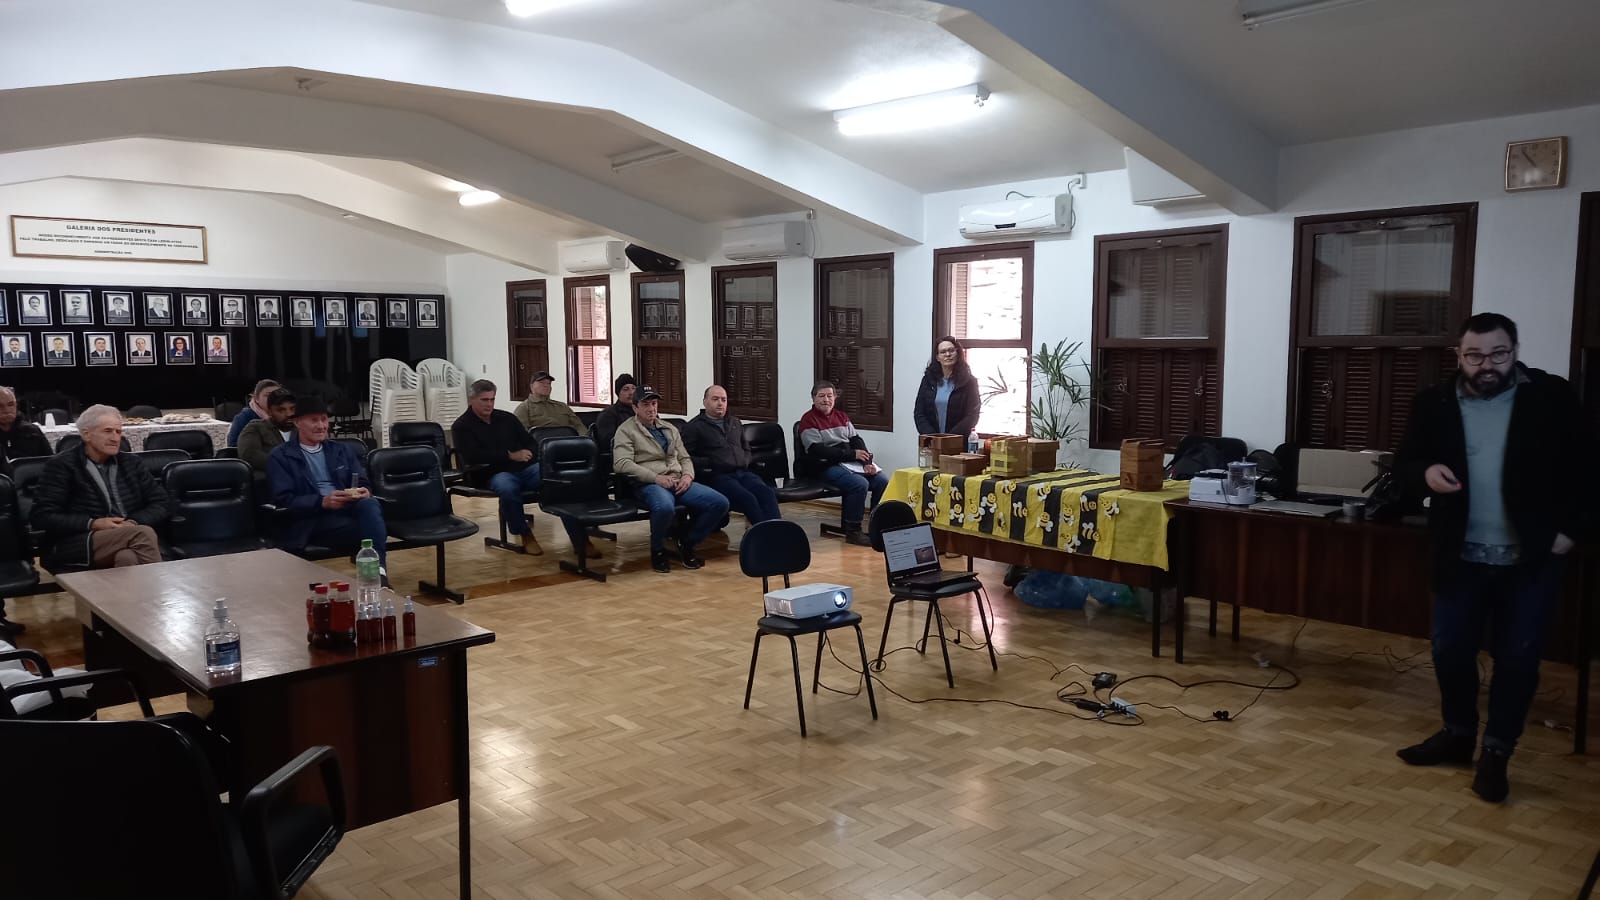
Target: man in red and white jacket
pixel 832 450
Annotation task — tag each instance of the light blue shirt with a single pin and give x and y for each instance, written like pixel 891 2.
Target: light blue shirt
pixel 319 470
pixel 941 402
pixel 1486 422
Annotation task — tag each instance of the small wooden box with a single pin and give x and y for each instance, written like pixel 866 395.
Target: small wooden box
pixel 943 444
pixel 1010 457
pixel 963 464
pixel 1143 466
pixel 1042 454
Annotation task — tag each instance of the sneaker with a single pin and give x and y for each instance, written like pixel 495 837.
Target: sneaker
pixel 1443 748
pixel 530 545
pixel 660 562
pixel 1489 782
pixel 690 561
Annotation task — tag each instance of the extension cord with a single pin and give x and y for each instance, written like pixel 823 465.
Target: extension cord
pixel 1123 706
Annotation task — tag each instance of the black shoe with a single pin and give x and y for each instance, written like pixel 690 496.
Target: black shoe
pixel 1443 748
pixel 854 535
pixel 660 562
pixel 1490 780
pixel 690 561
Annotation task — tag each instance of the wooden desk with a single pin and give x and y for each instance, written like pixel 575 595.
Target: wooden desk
pixel 396 713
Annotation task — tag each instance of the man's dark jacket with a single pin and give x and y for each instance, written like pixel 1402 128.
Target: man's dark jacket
pixel 723 452
pixel 67 500
pixel 604 429
pixel 23 439
pixel 293 489
pixel 485 447
pixel 1543 477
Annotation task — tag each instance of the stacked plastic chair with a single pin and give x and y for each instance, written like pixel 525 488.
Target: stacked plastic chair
pixel 444 391
pixel 394 392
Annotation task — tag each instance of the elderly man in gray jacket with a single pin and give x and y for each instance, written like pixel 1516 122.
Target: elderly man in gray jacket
pixel 96 505
pixel 650 452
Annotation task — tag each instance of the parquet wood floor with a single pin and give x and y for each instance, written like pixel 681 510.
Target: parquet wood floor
pixel 612 758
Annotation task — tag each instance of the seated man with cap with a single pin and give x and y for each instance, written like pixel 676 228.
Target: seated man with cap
pixel 541 410
pixel 321 486
pixel 612 417
pixel 650 452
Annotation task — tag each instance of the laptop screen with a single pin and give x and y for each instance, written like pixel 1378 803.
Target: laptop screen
pixel 910 550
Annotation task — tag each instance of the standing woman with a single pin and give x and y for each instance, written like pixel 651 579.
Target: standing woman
pixel 947 401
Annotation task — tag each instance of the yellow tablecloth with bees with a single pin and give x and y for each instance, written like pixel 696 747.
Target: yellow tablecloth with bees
pixel 1071 510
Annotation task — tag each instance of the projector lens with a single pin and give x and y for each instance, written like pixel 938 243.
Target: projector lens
pixel 839 599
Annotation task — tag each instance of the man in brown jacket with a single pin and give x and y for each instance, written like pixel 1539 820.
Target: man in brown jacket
pixel 650 452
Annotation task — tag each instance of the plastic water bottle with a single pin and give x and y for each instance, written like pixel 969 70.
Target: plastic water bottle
pixel 222 642
pixel 972 441
pixel 368 580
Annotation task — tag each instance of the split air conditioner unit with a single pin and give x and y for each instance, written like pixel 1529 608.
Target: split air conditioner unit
pixel 772 240
pixel 1017 216
pixel 1151 185
pixel 595 256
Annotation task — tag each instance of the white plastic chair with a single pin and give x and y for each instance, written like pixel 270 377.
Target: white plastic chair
pixel 394 391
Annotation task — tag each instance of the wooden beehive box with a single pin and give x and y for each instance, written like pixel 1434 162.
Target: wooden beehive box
pixel 942 444
pixel 963 464
pixel 1010 457
pixel 1143 468
pixel 1042 454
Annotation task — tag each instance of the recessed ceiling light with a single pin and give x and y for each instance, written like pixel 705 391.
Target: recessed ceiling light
pixel 534 7
pixel 478 198
pixel 913 113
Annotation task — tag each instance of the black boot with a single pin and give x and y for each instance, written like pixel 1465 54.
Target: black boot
pixel 1443 748
pixel 854 535
pixel 690 560
pixel 1490 780
pixel 660 561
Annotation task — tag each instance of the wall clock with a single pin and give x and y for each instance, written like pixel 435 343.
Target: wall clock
pixel 1536 165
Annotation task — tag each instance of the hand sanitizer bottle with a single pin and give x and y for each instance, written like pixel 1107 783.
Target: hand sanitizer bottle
pixel 222 642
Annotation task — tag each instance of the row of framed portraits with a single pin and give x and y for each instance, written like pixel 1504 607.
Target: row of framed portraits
pixel 101 348
pixel 743 317
pixel 78 306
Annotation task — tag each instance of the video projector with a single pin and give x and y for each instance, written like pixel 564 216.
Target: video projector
pixel 805 601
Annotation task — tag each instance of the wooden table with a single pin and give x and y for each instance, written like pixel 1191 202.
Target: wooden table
pixel 395 713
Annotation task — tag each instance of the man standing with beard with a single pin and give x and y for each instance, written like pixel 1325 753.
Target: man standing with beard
pixel 1500 449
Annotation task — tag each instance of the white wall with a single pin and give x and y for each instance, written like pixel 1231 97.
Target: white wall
pixel 253 240
pixel 477 289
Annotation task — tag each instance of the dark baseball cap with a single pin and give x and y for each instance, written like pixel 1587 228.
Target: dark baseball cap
pixel 542 376
pixel 645 393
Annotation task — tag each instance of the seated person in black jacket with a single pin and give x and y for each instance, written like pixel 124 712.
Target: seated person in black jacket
pixel 498 452
pixel 611 418
pixel 97 505
pixel 18 437
pixel 717 438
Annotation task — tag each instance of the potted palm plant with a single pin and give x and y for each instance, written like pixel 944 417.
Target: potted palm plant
pixel 1064 389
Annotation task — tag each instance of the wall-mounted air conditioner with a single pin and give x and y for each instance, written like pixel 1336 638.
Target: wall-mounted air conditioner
pixel 1151 185
pixel 772 240
pixel 595 256
pixel 1017 216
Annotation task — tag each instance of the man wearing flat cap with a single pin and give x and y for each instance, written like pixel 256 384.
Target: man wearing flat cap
pixel 541 410
pixel 650 452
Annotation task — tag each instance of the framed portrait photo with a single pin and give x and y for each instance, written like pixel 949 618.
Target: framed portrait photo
pixel 427 314
pixel 218 347
pixel 269 311
pixel 99 348
pixel 180 348
pixel 652 315
pixel 141 348
pixel 730 316
pixel 58 349
pixel 673 315
pixel 302 313
pixel 76 308
pixel 116 307
pixel 197 309
pixel 749 317
pixel 16 351
pixel 33 307
pixel 158 309
pixel 5 314
pixel 533 314
pixel 397 312
pixel 366 312
pixel 334 312
pixel 232 306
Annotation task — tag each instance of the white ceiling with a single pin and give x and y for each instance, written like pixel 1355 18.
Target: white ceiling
pixel 1383 65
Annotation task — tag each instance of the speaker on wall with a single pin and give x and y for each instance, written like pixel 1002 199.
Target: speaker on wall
pixel 649 260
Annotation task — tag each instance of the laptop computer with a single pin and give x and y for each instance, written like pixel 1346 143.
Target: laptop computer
pixel 913 560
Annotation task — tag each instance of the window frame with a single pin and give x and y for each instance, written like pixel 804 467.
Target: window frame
pixel 515 338
pixel 1215 235
pixel 569 288
pixel 1306 230
pixel 720 340
pixel 942 258
pixel 865 262
pixel 641 343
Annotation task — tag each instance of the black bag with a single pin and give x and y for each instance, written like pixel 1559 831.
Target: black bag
pixel 1197 453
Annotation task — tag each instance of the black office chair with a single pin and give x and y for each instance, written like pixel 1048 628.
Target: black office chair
pixel 214 508
pixel 769 460
pixel 546 432
pixel 587 417
pixel 18 577
pixel 416 509
pixel 808 472
pixel 227 410
pixel 575 487
pixel 194 441
pixel 780 548
pixel 895 514
pixel 430 435
pixel 345 419
pixel 143 411
pixel 68 441
pixel 158 460
pixel 227 453
pixel 118 796
pixel 62 417
pixel 357 446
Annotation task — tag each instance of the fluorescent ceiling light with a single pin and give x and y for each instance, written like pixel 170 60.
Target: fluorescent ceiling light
pixel 1294 11
pixel 912 113
pixel 534 7
pixel 478 198
pixel 349 215
pixel 648 156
